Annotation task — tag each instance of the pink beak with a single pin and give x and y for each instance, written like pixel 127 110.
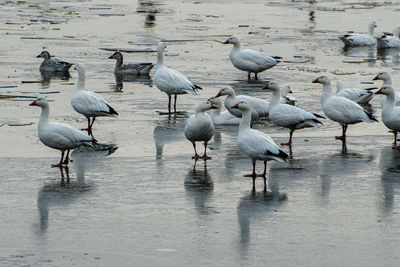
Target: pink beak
pixel 218 95
pixel 266 86
pixel 226 42
pixel 235 106
pixel 315 81
pixel 376 78
pixel 213 106
pixel 378 92
pixel 33 103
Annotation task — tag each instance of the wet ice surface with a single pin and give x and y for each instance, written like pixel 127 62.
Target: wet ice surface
pixel 146 203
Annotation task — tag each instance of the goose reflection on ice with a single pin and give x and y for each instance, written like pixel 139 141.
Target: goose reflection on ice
pixel 390 178
pixel 366 53
pixel 121 78
pixel 200 187
pixel 255 207
pixel 46 77
pixel 167 133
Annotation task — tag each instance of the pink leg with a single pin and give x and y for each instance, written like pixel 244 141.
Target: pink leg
pixel 343 137
pixel 265 170
pixel 205 157
pixel 66 160
pixel 290 139
pixel 254 171
pixel 196 156
pixel 60 163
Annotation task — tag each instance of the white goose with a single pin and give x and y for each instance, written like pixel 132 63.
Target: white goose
pixel 171 81
pixel 259 107
pixel 288 116
pixel 360 39
pixel 387 41
pixel 57 135
pixel 200 127
pixel 340 109
pixel 89 104
pixel 390 112
pixel 285 99
pixel 387 80
pixel 359 96
pixel 255 144
pixel 219 117
pixel 249 60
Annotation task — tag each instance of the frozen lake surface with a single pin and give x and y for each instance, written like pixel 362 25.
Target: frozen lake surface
pixel 144 201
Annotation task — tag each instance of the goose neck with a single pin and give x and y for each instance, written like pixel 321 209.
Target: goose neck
pixel 371 30
pixel 80 84
pixel 44 116
pixel 119 62
pixel 326 92
pixel 160 58
pixel 245 121
pixel 276 96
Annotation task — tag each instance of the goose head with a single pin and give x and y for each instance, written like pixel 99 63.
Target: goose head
pixel 205 106
pixel 215 101
pixel 225 91
pixel 80 68
pixel 385 90
pixel 160 47
pixel 45 54
pixel 40 102
pixel 322 80
pixel 117 55
pixel 383 75
pixel 372 24
pixel 273 86
pixel 286 90
pixel 232 40
pixel 242 106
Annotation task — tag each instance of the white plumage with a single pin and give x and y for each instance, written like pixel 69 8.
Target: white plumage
pixel 255 144
pixel 57 135
pixel 340 109
pixel 288 116
pixel 360 39
pixel 249 60
pixel 359 96
pixel 219 117
pixel 171 81
pixel 387 80
pixel 200 127
pixel 387 41
pixel 390 112
pixel 259 107
pixel 285 99
pixel 89 104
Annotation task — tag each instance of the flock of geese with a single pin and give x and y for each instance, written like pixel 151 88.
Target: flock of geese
pixel 342 106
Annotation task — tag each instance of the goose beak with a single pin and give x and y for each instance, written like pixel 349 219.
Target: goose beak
pixel 226 42
pixel 235 106
pixel 266 86
pixel 218 95
pixel 315 81
pixel 376 78
pixel 290 92
pixel 40 55
pixel 111 57
pixel 33 103
pixel 379 92
pixel 213 106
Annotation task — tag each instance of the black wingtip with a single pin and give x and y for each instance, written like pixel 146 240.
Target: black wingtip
pixel 371 116
pixel 197 87
pixel 281 155
pixel 112 111
pixel 319 115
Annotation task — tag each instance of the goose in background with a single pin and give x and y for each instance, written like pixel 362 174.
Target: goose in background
pixel 130 68
pixel 249 60
pixel 200 127
pixel 221 118
pixel 58 135
pixel 340 109
pixel 390 112
pixel 387 80
pixel 360 96
pixel 288 116
pixel 259 107
pixel 285 99
pixel 360 39
pixel 52 64
pixel 389 41
pixel 89 104
pixel 171 81
pixel 255 144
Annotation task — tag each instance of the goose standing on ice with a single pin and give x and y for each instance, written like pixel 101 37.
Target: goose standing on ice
pixel 89 104
pixel 255 144
pixel 390 112
pixel 341 109
pixel 285 99
pixel 288 116
pixel 360 96
pixel 221 118
pixel 259 107
pixel 249 60
pixel 171 81
pixel 387 80
pixel 58 135
pixel 130 68
pixel 387 41
pixel 200 127
pixel 52 64
pixel 360 39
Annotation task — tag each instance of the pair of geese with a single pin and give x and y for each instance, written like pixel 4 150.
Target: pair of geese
pixel 387 40
pixel 63 137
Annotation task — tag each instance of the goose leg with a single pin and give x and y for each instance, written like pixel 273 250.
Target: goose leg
pixel 265 170
pixel 265 184
pixel 66 160
pixel 395 138
pixel 88 126
pixel 169 104
pixel 61 160
pixel 254 171
pixel 343 137
pixel 255 76
pixel 248 75
pixel 196 156
pixel 290 139
pixel 176 96
pixel 205 157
